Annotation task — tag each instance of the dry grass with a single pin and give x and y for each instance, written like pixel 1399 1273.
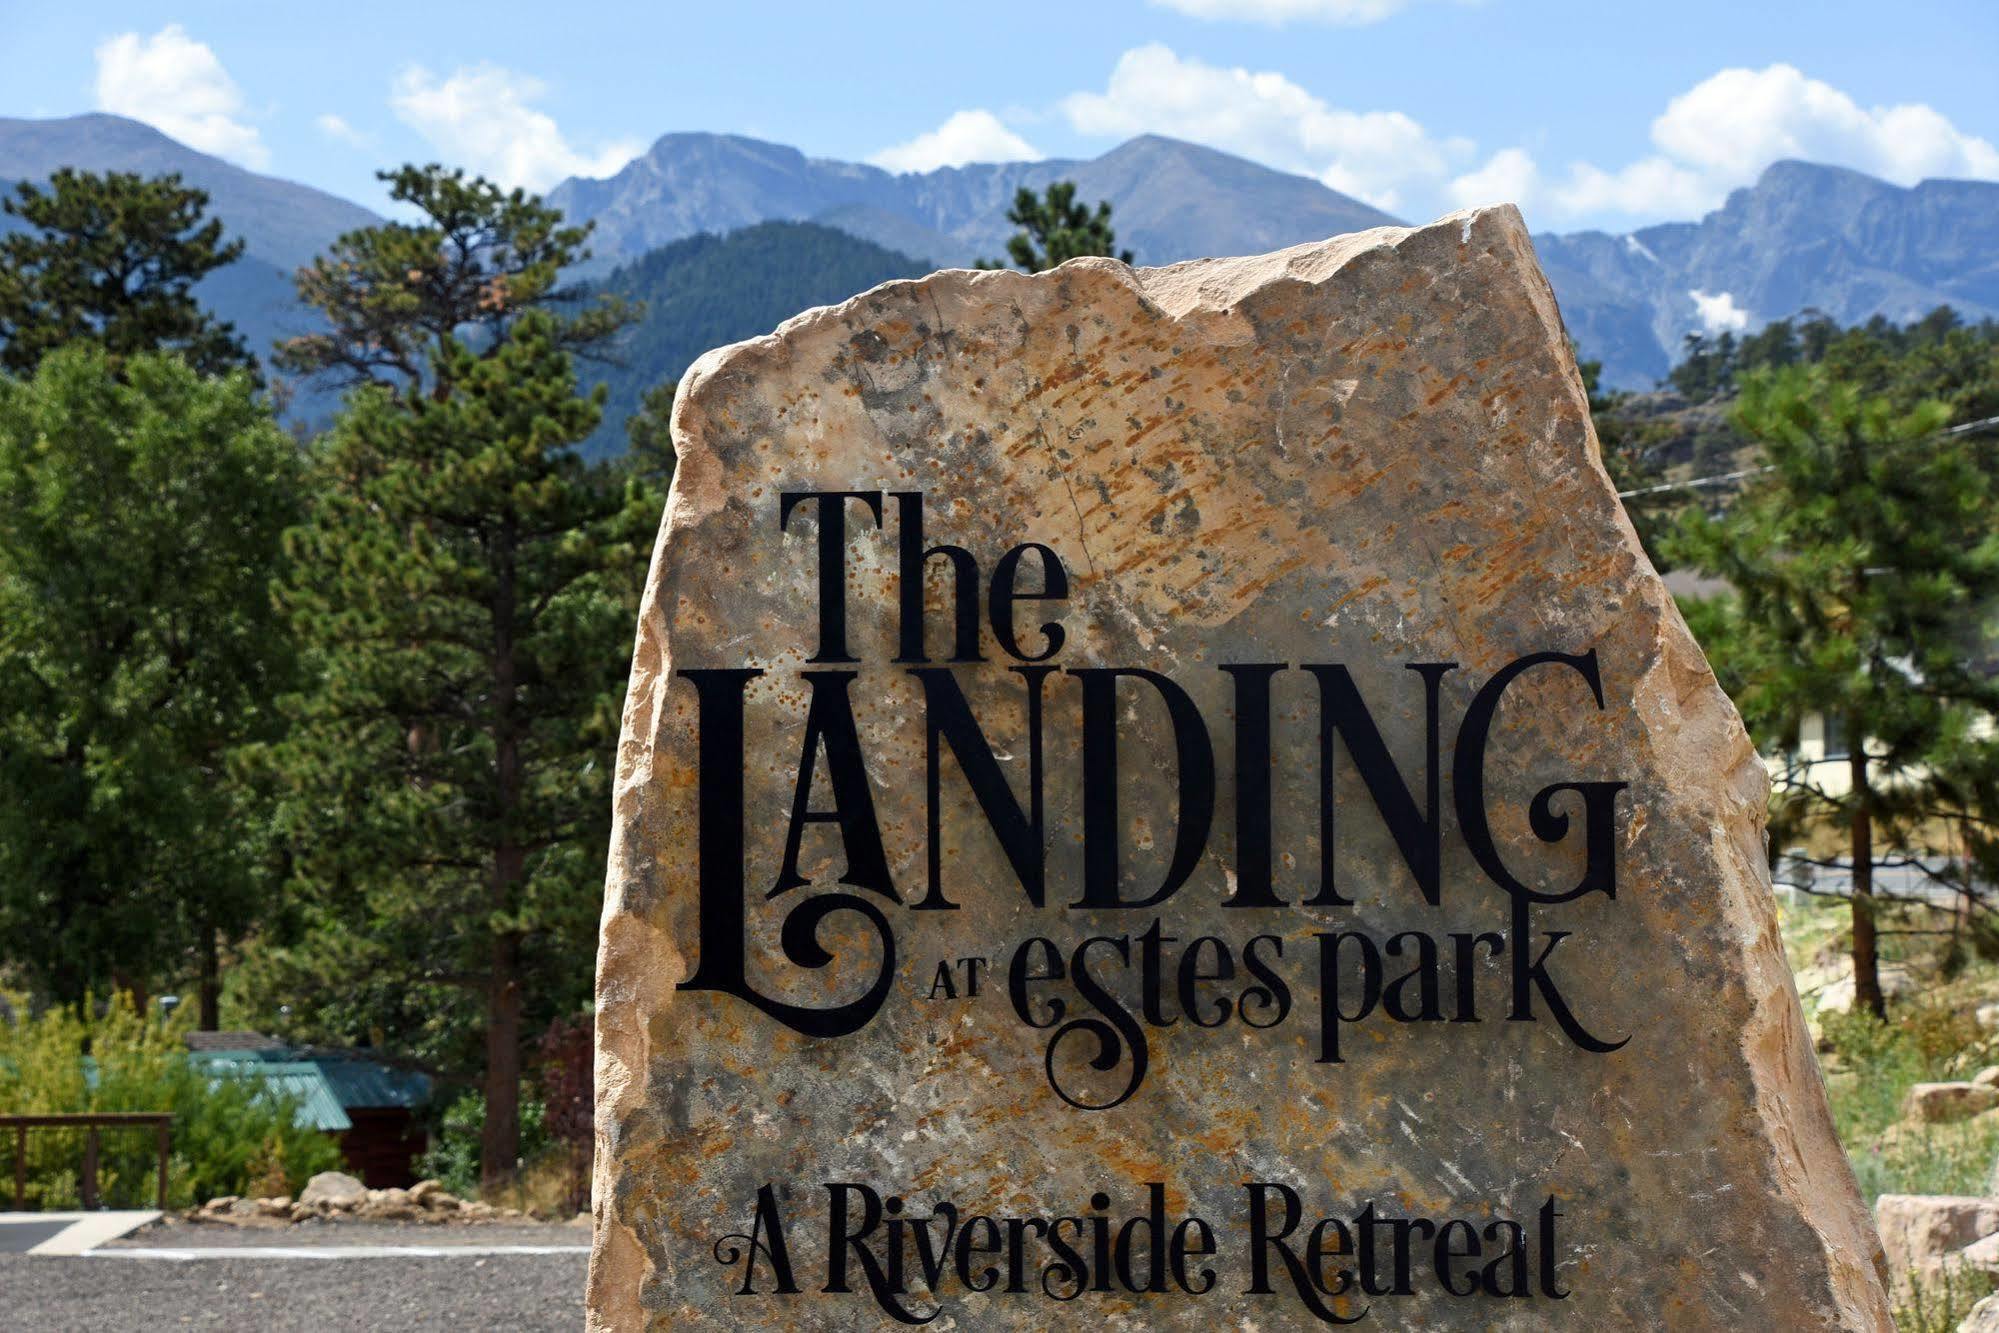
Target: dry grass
pixel 553 1187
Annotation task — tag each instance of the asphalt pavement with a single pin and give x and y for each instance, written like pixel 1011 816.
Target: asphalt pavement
pixel 336 1277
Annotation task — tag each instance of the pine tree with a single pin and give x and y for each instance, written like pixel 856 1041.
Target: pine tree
pixel 479 259
pixel 112 259
pixel 1057 228
pixel 465 586
pixel 649 437
pixel 1861 567
pixel 141 656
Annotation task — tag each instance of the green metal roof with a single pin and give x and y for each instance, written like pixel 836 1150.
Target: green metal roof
pixel 318 1106
pixel 360 1082
pixel 354 1080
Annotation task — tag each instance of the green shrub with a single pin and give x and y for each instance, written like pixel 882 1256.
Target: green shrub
pixel 453 1157
pixel 230 1135
pixel 1875 1064
pixel 1939 1305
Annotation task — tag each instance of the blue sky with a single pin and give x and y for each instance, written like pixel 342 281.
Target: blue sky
pixel 1589 114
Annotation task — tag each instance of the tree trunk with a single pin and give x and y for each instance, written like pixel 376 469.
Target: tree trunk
pixel 500 1136
pixel 211 981
pixel 1866 964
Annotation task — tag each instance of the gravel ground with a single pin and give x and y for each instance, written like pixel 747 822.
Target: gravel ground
pixel 113 1294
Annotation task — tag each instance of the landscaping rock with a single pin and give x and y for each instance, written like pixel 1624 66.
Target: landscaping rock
pixel 1920 1233
pixel 389 1205
pixel 435 1200
pixel 1988 1016
pixel 220 1204
pixel 1940 1103
pixel 278 1207
pixel 1987 1077
pixel 1982 1255
pixel 1984 1317
pixel 334 1190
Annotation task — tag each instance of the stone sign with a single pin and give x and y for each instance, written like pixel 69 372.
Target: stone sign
pixel 1173 798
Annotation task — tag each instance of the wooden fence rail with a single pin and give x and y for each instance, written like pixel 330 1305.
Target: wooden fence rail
pixel 92 1123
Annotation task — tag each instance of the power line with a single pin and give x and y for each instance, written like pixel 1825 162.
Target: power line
pixel 1721 479
pixel 1694 483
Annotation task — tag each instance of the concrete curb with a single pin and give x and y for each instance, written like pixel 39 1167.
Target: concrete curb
pixel 85 1232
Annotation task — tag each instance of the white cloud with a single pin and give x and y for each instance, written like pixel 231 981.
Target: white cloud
pixel 176 85
pixel 1279 12
pixel 1375 155
pixel 337 129
pixel 967 136
pixel 1722 133
pixel 1655 186
pixel 1508 177
pixel 1719 313
pixel 1716 136
pixel 482 117
pixel 1739 121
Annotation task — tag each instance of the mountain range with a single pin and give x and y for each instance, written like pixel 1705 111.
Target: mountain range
pixel 282 224
pixel 1171 200
pixel 1803 237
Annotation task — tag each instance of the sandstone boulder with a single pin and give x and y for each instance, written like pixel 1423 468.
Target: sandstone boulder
pixel 1981 1255
pixel 1038 674
pixel 1920 1232
pixel 335 1191
pixel 1984 1317
pixel 388 1205
pixel 433 1198
pixel 1941 1103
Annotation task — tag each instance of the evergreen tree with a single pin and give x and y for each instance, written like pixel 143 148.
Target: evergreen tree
pixel 141 654
pixel 465 587
pixel 1707 370
pixel 1056 228
pixel 649 438
pixel 1861 567
pixel 112 259
pixel 479 259
pixel 1631 446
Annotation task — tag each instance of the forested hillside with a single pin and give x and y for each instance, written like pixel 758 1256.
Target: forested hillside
pixel 706 291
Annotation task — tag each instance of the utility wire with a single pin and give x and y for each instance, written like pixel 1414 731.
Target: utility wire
pixel 1694 483
pixel 1722 479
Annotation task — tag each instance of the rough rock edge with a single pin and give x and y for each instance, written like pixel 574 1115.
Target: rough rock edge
pixel 1804 1158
